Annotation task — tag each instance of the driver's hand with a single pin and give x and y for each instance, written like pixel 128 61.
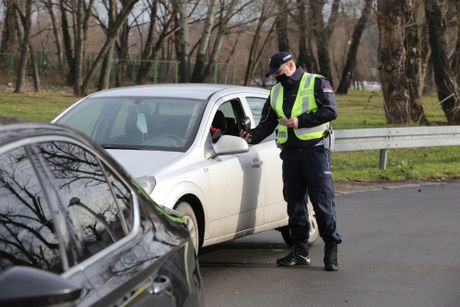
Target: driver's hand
pixel 246 136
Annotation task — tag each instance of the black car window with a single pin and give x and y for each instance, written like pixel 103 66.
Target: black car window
pixel 95 215
pixel 124 199
pixel 27 232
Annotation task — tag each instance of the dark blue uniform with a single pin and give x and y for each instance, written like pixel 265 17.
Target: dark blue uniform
pixel 306 164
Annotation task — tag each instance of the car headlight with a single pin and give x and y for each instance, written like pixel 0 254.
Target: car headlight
pixel 147 183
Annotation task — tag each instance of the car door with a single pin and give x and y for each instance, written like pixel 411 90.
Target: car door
pixel 274 205
pixel 235 181
pixel 118 252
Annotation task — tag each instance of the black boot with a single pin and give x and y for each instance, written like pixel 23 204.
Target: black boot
pixel 298 256
pixel 330 257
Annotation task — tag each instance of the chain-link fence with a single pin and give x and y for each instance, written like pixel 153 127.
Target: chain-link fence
pixel 123 72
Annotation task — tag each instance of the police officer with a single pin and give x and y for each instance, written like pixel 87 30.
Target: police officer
pixel 300 107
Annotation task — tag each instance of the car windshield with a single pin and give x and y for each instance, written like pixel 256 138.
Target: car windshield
pixel 145 123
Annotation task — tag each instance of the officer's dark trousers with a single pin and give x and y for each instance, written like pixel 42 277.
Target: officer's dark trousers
pixel 308 171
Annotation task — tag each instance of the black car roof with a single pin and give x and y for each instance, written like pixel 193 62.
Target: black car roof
pixel 14 132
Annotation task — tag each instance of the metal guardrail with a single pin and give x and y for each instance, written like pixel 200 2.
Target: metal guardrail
pixel 386 138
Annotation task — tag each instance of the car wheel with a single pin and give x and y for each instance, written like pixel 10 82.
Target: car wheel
pixel 188 214
pixel 314 232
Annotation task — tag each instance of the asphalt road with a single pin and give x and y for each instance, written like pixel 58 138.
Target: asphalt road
pixel 401 248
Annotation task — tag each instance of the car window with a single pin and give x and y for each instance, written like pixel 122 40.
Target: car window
pixel 87 119
pixel 138 122
pixel 233 113
pixel 123 199
pixel 27 232
pixel 256 105
pixel 97 218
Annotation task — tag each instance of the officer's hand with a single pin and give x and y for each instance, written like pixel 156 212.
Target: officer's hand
pixel 246 136
pixel 292 123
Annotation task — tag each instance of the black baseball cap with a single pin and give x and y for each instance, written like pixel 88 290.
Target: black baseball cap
pixel 277 60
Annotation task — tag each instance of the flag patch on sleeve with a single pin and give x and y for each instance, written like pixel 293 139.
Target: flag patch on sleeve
pixel 328 90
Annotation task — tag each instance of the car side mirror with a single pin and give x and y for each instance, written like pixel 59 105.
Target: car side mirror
pixel 229 144
pixel 28 286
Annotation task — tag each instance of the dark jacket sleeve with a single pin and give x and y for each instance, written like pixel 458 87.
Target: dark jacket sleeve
pixel 267 124
pixel 326 102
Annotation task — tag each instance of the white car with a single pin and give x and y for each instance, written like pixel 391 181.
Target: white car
pixel 162 135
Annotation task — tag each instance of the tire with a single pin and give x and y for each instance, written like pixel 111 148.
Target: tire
pixel 314 232
pixel 188 214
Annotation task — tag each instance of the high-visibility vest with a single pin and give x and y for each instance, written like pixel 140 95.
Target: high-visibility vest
pixel 305 102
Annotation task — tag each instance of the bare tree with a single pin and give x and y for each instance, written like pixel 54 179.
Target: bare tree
pixel 104 75
pixel 455 59
pixel 226 11
pixel 74 33
pixel 110 39
pixel 183 44
pixel 392 55
pixel 347 73
pixel 160 24
pixel 198 71
pixel 122 47
pixel 9 42
pixel 25 15
pixel 282 22
pixel 305 58
pixel 266 12
pixel 50 7
pixel 416 45
pixel 323 32
pixel 448 93
pixel 403 54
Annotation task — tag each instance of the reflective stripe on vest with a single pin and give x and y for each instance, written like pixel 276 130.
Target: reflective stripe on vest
pixel 305 102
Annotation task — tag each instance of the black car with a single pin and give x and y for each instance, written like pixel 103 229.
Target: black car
pixel 75 229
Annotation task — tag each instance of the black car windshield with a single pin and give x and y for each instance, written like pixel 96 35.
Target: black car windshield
pixel 142 123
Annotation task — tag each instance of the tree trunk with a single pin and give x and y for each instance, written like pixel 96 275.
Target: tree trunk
pixel 392 57
pixel 49 6
pixel 79 44
pixel 198 71
pixel 26 21
pixel 305 59
pixel 182 47
pixel 36 73
pixel 106 67
pixel 123 54
pixel 347 77
pixel 148 53
pixel 9 42
pixel 416 60
pixel 448 94
pixel 219 37
pixel 455 66
pixel 68 44
pixel 322 35
pixel 254 45
pixel 282 22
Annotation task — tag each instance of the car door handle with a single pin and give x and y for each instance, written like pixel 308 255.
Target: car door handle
pixel 257 163
pixel 160 284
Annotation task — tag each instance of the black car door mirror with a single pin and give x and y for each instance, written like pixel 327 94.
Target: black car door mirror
pixel 28 286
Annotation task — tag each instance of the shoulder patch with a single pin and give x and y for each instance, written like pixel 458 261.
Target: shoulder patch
pixel 327 90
